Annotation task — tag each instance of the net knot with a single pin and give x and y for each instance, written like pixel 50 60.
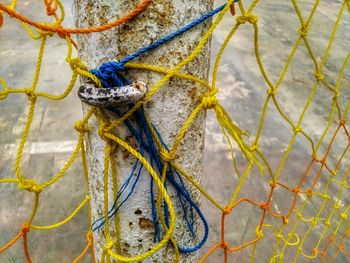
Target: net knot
pixel 342 122
pixel 314 157
pixel 303 30
pixel 29 185
pixel 224 245
pixel 3 95
pixel 44 32
pixel 166 156
pixel 227 210
pixel 81 127
pixel 25 228
pixel 309 193
pixel 285 220
pixel 273 184
pixel 31 96
pixel 265 206
pixel 1 20
pixel 271 91
pixel 297 129
pixel 322 253
pixel 89 236
pixel 336 95
pixel 209 99
pixel 51 7
pixel 319 76
pixel 259 232
pixel 247 18
pixel 343 215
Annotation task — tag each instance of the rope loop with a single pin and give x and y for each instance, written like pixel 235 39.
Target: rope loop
pixel 29 185
pixel 81 127
pixel 252 19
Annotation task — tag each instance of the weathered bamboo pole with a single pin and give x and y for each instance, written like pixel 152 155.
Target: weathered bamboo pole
pixel 168 109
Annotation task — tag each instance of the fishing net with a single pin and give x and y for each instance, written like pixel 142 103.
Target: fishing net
pixel 288 197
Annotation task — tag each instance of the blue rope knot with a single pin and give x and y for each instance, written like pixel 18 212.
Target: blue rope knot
pixel 109 73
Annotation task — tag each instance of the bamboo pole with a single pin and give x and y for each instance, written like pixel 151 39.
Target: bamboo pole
pixel 168 110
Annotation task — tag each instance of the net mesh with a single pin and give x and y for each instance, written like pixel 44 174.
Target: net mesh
pixel 313 226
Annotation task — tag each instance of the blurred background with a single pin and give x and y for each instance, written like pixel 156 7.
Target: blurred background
pixel 242 93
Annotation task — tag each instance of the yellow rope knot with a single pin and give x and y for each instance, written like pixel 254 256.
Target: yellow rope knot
pixel 319 76
pixel 102 131
pixel 259 232
pixel 81 127
pixel 209 99
pixel 343 215
pixel 247 18
pixel 109 245
pixel 44 33
pixel 3 95
pixel 271 91
pixel 166 156
pixel 31 96
pixel 29 185
pixel 76 63
pixel 303 30
pixel 336 95
pixel 89 236
pixel 297 129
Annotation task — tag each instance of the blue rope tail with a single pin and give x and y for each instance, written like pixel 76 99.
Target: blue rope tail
pixel 180 188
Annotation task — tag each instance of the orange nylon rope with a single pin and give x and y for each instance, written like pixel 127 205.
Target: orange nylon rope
pixel 67 31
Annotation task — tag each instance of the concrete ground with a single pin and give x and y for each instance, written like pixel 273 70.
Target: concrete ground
pixel 242 93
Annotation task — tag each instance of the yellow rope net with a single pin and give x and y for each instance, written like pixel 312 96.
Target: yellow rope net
pixel 281 230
